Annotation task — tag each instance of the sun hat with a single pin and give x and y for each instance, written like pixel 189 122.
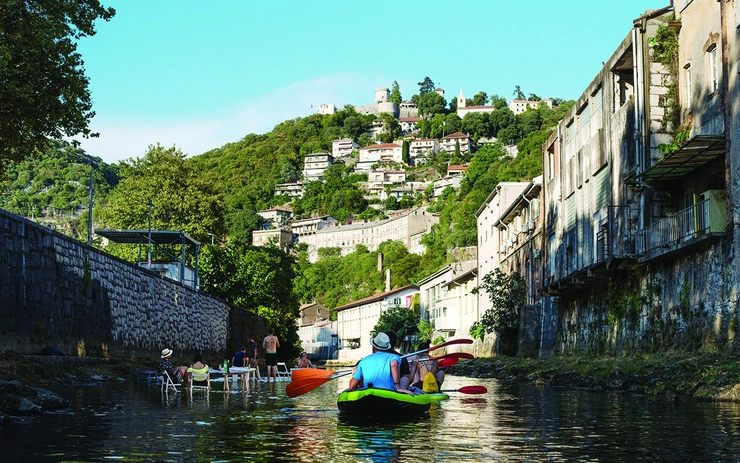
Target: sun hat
pixel 381 342
pixel 166 353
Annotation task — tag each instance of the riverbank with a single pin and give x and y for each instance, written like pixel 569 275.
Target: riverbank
pixel 668 376
pixel 672 375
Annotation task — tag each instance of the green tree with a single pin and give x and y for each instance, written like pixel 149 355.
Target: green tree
pixel 260 280
pixel 426 86
pixel 507 294
pixel 43 87
pixel 476 124
pixel 183 199
pixel 402 320
pixel 518 93
pixel 395 94
pixel 431 103
pixel 480 99
pixel 353 127
pixel 391 203
pixel 453 123
pixel 453 104
pixel 391 128
pixel 406 151
pixel 499 102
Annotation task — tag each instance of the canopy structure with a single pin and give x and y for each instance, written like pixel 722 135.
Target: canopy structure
pixel 155 240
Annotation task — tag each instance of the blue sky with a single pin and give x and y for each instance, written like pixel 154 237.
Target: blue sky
pixel 198 75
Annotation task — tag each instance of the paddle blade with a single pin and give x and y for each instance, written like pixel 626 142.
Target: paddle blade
pixel 447 362
pixel 454 355
pixel 313 373
pixel 469 390
pixel 451 343
pixel 300 387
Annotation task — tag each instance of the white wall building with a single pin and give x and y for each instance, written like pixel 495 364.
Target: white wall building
pixel 343 147
pixel 292 189
pixel 398 228
pixel 357 319
pixel 276 215
pixel 447 301
pixel 489 238
pixel 519 106
pixel 423 148
pixel 450 142
pixel 375 154
pixel 327 108
pixel 408 124
pixel 315 164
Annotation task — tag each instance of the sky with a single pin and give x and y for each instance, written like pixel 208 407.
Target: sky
pixel 199 75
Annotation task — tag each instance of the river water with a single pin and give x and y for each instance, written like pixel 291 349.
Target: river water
pixel 512 422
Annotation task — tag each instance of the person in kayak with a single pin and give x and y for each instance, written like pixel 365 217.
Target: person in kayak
pixel 381 370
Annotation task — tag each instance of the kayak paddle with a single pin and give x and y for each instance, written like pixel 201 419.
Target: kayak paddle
pixel 447 362
pixel 469 390
pixel 301 386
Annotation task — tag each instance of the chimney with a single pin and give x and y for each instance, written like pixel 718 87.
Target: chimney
pixel 387 280
pixel 380 262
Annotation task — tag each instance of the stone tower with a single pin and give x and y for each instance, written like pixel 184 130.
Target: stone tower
pixel 381 95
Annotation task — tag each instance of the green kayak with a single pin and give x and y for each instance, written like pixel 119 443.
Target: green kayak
pixel 385 403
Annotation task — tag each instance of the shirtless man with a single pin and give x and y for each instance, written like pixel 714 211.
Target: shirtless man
pixel 271 344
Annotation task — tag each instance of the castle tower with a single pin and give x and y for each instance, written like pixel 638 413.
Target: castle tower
pixel 461 99
pixel 382 95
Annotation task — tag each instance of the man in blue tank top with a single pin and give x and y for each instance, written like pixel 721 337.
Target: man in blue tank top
pixel 381 370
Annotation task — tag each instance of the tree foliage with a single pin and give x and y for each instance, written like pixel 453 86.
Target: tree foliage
pixel 43 87
pixel 260 280
pixel 402 320
pixel 426 86
pixel 395 94
pixel 507 294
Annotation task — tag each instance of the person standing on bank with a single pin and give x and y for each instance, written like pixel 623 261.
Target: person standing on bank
pixel 271 344
pixel 381 370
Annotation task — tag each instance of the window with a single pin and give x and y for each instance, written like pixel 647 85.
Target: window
pixel 687 73
pixel 713 71
pixel 583 116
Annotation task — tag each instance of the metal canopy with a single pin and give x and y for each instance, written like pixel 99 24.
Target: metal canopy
pixel 696 153
pixel 158 237
pixel 142 236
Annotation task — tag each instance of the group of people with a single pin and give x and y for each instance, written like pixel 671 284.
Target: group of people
pixel 387 369
pixel 246 357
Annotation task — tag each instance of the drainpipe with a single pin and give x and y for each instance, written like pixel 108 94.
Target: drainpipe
pixel 727 114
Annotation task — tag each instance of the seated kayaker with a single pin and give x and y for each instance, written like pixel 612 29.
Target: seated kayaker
pixel 426 370
pixel 381 370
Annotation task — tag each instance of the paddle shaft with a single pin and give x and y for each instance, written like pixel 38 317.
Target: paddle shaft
pixel 444 344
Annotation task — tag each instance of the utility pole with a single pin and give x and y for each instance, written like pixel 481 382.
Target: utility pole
pixel 149 206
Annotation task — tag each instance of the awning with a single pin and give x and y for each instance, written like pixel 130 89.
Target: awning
pixel 696 153
pixel 142 236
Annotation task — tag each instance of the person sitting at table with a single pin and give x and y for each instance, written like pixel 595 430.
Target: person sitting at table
pixel 240 358
pixel 176 374
pixel 198 372
pixel 304 362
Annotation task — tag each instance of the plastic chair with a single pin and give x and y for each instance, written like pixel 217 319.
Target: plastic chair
pixel 168 384
pixel 284 374
pixel 200 377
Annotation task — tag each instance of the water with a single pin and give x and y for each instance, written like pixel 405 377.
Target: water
pixel 512 422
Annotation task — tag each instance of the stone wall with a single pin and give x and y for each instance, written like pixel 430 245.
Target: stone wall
pixel 56 291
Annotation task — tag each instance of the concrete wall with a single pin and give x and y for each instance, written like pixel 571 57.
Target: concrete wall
pixel 57 291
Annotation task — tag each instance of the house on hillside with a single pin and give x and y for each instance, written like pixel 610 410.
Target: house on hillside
pixel 408 124
pixel 421 150
pixel 519 106
pixel 280 237
pixel 453 140
pixel 275 215
pixel 315 164
pixel 453 169
pixel 292 189
pixel 357 319
pixel 343 147
pixel 378 153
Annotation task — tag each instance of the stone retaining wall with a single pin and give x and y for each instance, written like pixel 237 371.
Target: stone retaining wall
pixel 57 291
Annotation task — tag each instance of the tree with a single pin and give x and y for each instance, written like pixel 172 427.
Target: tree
pixel 453 123
pixel 402 320
pixel 507 295
pixel 453 104
pixel 391 128
pixel 395 94
pixel 518 93
pixel 425 86
pixel 534 97
pixel 353 127
pixel 476 124
pixel 43 87
pixel 431 103
pixel 406 151
pixel 289 173
pixel 183 199
pixel 498 102
pixel 480 99
pixel 260 280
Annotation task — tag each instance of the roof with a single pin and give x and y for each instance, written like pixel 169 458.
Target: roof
pixel 457 135
pixel 381 145
pixel 457 167
pixel 374 298
pixel 700 150
pixel 142 236
pixel 409 119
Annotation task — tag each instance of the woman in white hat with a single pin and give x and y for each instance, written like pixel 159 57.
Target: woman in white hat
pixel 175 373
pixel 381 370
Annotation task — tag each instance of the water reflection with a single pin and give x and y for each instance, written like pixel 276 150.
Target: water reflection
pixel 512 422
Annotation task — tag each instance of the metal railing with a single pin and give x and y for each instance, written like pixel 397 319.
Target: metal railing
pixel 692 222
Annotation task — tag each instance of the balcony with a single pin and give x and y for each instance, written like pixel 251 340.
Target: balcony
pixel 687 227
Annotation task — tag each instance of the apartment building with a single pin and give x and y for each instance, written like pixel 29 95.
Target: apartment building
pixel 401 227
pixel 343 147
pixel 453 140
pixel 519 106
pixel 357 319
pixel 378 153
pixel 378 180
pixel 292 189
pixel 447 301
pixel 315 164
pixel 423 149
pixel 275 215
pixel 280 237
pixel 408 124
pixel 638 238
